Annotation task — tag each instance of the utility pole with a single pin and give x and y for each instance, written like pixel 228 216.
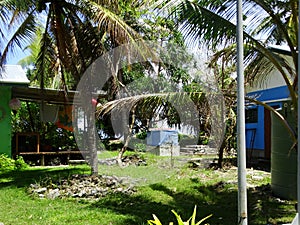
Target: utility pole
pixel 241 143
pixel 298 118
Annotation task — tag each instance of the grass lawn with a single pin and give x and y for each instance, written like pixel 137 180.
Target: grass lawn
pixel 160 190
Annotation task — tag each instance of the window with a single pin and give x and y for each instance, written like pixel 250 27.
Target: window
pixel 252 115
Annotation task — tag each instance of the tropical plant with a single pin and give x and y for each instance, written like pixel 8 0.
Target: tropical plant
pixel 9 164
pixel 190 221
pixel 75 33
pixel 266 23
pixel 135 77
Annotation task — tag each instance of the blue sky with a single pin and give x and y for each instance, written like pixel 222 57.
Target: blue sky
pixel 18 55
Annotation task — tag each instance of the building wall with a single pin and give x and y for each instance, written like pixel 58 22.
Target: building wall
pixel 272 80
pixel 255 115
pixel 272 90
pixel 5 120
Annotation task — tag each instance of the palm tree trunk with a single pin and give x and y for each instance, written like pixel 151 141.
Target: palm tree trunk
pixel 127 138
pixel 91 134
pixel 221 154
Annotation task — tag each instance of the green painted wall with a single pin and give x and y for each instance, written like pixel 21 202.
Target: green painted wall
pixel 5 120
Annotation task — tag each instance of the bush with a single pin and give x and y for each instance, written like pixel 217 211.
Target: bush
pixel 8 164
pixel 20 164
pixel 142 135
pixel 140 147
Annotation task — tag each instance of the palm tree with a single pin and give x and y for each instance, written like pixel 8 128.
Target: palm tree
pixel 75 34
pixel 266 23
pixel 74 31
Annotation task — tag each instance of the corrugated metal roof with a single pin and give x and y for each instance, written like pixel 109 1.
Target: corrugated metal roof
pixel 13 74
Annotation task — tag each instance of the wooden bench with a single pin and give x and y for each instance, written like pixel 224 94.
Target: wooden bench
pixel 35 149
pixel 43 155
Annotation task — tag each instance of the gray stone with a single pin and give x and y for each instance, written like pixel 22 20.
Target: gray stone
pixel 40 190
pixel 41 196
pixel 83 186
pixel 53 193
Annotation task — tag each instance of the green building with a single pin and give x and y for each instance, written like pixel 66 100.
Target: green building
pixel 10 76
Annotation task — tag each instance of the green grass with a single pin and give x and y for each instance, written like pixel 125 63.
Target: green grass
pixel 166 188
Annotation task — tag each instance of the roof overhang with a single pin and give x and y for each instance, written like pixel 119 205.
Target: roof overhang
pixel 13 75
pixel 283 50
pixel 50 96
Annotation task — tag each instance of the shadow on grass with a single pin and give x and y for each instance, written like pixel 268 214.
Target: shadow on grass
pixel 26 177
pixel 215 199
pixel 141 208
pixel 219 199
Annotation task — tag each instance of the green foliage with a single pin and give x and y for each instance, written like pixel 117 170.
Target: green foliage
pixel 140 147
pixel 8 164
pixel 203 139
pixel 190 221
pixel 142 135
pixel 20 164
pixel 27 119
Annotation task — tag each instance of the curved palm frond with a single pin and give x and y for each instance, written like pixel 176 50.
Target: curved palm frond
pixel 202 24
pixel 23 33
pixel 165 104
pixel 79 29
pixel 279 18
pixel 213 23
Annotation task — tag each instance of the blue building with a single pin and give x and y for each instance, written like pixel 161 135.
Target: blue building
pixel 270 89
pixel 258 119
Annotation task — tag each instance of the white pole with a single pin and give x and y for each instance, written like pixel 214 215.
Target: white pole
pixel 298 150
pixel 241 146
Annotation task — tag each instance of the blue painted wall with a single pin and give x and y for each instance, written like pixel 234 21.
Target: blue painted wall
pixel 274 96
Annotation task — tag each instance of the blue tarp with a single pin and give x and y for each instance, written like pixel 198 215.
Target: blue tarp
pixel 160 137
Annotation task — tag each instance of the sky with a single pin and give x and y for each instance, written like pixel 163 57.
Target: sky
pixel 13 59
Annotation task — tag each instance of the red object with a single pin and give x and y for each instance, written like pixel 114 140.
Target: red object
pixel 65 118
pixel 94 102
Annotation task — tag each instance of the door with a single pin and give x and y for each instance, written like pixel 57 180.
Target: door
pixel 267 135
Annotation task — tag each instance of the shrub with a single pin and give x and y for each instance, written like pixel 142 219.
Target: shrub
pixel 8 164
pixel 142 135
pixel 20 164
pixel 140 147
pixel 191 220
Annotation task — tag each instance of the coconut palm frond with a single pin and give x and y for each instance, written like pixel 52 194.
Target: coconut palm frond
pixel 213 23
pixel 113 24
pixel 120 104
pixel 200 23
pixel 257 65
pixel 175 107
pixel 23 33
pixel 44 55
pixel 260 61
pixel 280 19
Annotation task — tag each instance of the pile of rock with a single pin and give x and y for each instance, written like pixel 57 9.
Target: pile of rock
pixel 82 186
pixel 126 161
pixel 134 160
